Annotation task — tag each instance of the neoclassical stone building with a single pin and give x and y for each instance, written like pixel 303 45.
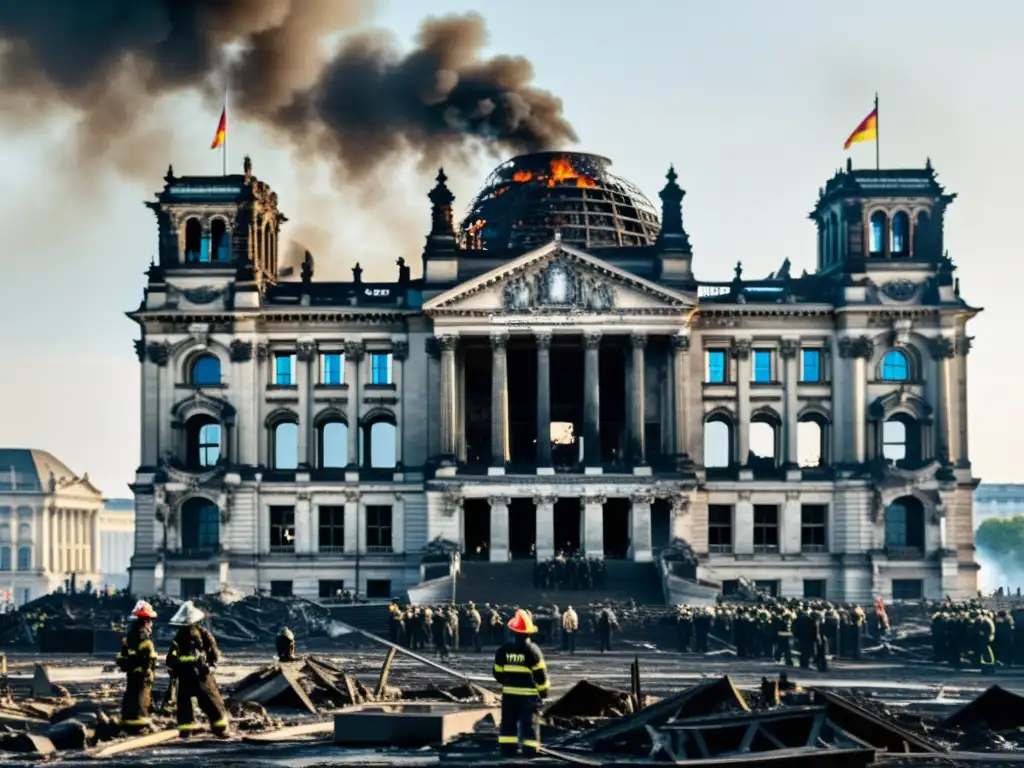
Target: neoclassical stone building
pixel 556 379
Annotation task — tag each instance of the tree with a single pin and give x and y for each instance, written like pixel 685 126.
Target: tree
pixel 1002 537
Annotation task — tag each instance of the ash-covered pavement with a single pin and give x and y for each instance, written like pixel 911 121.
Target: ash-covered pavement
pixel 924 686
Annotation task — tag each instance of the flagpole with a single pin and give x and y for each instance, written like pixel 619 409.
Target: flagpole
pixel 878 154
pixel 224 145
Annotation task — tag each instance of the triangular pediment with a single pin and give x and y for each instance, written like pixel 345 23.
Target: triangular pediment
pixel 558 278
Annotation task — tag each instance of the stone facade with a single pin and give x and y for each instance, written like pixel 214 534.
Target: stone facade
pixel 49 526
pixel 809 432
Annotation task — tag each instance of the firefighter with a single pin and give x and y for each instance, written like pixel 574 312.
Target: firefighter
pixel 191 661
pixel 520 670
pixel 137 659
pixel 285 643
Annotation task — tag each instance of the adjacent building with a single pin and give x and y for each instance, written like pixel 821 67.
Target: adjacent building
pixel 556 379
pixel 49 525
pixel 117 542
pixel 998 500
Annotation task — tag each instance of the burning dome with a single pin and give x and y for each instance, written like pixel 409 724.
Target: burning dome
pixel 527 199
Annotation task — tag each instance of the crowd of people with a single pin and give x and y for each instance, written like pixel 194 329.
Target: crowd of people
pixel 967 632
pixel 572 571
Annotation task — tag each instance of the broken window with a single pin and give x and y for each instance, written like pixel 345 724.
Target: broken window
pixel 766 529
pixel 280 589
pixel 813 536
pixel 331 539
pixel 282 529
pixel 719 528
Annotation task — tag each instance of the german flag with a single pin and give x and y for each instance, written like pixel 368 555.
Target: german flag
pixel 222 130
pixel 866 131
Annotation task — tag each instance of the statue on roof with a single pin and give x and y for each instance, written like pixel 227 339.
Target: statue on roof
pixel 783 273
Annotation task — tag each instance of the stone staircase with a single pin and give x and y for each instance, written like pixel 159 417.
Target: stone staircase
pixel 512 584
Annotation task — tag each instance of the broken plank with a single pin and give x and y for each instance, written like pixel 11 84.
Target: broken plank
pixel 130 745
pixel 566 757
pixel 385 670
pixel 296 732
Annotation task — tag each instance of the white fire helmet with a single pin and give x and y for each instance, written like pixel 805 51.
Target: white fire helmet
pixel 187 615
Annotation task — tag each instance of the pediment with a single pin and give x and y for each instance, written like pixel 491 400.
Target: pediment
pixel 558 279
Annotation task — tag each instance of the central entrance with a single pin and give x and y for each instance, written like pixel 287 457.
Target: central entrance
pixel 615 522
pixel 476 532
pixel 522 528
pixel 567 526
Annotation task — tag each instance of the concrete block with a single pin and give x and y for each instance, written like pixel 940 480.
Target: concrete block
pixel 408 725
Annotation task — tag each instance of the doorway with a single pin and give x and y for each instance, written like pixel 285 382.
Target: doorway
pixel 661 525
pixel 476 529
pixel 567 526
pixel 615 524
pixel 522 529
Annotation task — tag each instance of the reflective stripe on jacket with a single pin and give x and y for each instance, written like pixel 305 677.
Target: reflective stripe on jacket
pixel 519 667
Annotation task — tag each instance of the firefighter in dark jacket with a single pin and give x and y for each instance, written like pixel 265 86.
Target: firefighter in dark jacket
pixel 285 644
pixel 191 661
pixel 519 668
pixel 137 659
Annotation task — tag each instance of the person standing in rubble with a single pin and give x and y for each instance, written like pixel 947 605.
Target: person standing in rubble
pixel 606 622
pixel 453 628
pixel 702 628
pixel 475 623
pixel 520 670
pixel 395 623
pixel 285 644
pixel 137 659
pixel 191 661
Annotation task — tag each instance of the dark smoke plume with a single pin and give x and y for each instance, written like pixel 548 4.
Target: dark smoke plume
pixel 112 59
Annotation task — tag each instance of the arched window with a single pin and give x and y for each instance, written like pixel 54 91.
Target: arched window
pixel 895 366
pixel 286 445
pixel 899 243
pixel 765 429
pixel 200 526
pixel 876 243
pixel 219 240
pixel 718 441
pixel 205 371
pixel 904 526
pixel 202 441
pixel 812 441
pixel 901 441
pixel 922 236
pixel 333 451
pixel 24 558
pixel 193 240
pixel 380 446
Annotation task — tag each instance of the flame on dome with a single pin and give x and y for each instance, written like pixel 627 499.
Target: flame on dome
pixel 561 172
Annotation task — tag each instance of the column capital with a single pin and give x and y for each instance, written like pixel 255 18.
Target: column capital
pixel 400 350
pixel 544 500
pixel 963 345
pixel 432 347
pixel 638 340
pixel 499 501
pixel 642 497
pixel 788 348
pixel 855 347
pixel 740 349
pixel 350 497
pixel 447 343
pixel 262 352
pixel 159 352
pixel 543 339
pixel 942 347
pixel 592 339
pixel 499 342
pixel 305 350
pixel 681 343
pixel 593 499
pixel 354 350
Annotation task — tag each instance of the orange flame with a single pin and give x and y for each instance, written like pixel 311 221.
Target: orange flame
pixel 562 171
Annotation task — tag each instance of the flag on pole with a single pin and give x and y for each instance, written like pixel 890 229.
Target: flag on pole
pixel 866 131
pixel 222 130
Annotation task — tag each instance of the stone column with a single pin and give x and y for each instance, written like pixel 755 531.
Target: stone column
pixel 304 532
pixel 638 342
pixel 499 404
pixel 96 550
pixel 461 448
pixel 743 525
pixel 857 350
pixel 741 353
pixel 499 528
pixel 545 526
pixel 44 546
pixel 592 401
pixel 448 398
pixel 260 412
pixel 399 354
pixel 791 524
pixel 680 393
pixel 789 351
pixel 354 351
pixel 593 526
pixel 944 352
pixel 640 527
pixel 543 410
pixel 351 522
pixel 963 347
pixel 305 355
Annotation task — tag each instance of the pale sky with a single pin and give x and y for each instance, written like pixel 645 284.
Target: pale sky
pixel 751 100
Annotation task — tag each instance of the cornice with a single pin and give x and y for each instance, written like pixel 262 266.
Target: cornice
pixel 316 316
pixel 520 318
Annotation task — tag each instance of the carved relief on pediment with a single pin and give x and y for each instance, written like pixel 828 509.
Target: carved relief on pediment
pixel 559 286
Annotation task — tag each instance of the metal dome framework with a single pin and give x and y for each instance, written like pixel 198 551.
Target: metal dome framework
pixel 526 200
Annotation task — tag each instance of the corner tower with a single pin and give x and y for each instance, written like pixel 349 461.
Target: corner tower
pixel 881 220
pixel 218 224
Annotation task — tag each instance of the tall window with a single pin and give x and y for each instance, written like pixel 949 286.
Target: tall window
pixel 877 234
pixel 286 445
pixel 206 371
pixel 719 528
pixel 333 445
pixel 284 370
pixel 219 238
pixel 5 558
pixel 762 366
pixel 24 558
pixel 282 529
pixel 904 526
pixel 812 528
pixel 900 241
pixel 331 538
pixel 194 241
pixel 209 445
pixel 716 362
pixel 895 366
pixel 332 369
pixel 810 365
pixel 380 368
pixel 378 528
pixel 894 440
pixel 766 528
pixel 200 526
pixel 202 441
